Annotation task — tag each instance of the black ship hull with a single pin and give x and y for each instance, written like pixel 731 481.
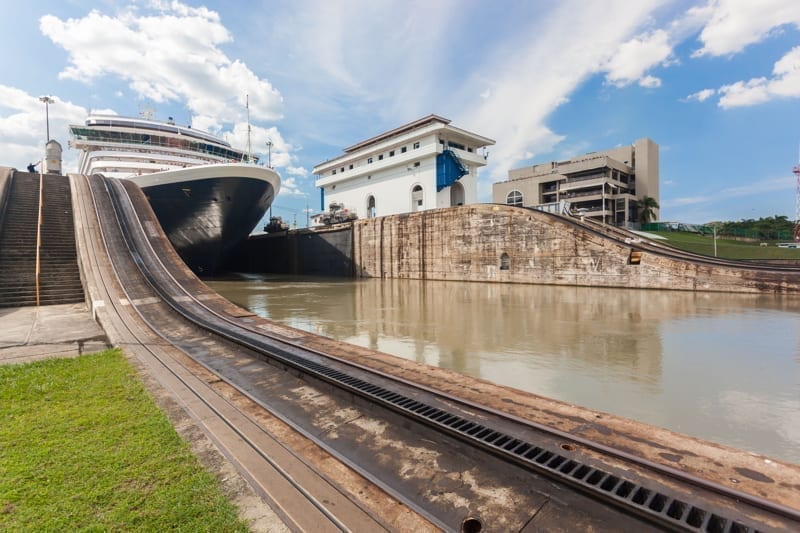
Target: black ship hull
pixel 204 217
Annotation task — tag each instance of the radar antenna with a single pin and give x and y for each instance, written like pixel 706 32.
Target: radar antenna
pixel 147 112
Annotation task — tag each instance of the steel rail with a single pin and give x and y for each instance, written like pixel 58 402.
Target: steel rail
pixel 755 501
pixel 287 476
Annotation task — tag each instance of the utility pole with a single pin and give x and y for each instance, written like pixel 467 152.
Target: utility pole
pixel 47 100
pixel 796 172
pixel 715 239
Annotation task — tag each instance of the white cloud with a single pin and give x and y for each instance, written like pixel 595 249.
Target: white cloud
pixel 735 24
pixel 297 171
pixel 650 82
pixel 701 96
pixel 636 56
pixel 173 55
pixel 785 83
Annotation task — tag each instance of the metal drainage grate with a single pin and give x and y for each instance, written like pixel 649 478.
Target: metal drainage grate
pixel 647 502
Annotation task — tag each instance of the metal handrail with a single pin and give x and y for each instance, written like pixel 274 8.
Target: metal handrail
pixel 39 234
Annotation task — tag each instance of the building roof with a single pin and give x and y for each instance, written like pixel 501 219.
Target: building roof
pixel 424 121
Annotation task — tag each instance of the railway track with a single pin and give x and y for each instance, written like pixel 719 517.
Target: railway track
pixel 637 242
pixel 302 498
pixel 513 474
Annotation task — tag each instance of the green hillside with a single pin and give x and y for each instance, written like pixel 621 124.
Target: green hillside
pixel 726 248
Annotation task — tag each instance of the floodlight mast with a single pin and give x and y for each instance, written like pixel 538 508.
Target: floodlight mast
pixel 796 171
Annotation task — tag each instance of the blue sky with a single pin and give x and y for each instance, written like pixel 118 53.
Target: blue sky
pixel 715 83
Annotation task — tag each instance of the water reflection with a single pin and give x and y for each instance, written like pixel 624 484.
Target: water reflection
pixel 724 367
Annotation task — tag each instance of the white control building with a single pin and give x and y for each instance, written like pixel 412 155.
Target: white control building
pixel 421 165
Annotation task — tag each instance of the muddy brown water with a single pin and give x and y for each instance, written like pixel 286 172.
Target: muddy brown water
pixel 722 367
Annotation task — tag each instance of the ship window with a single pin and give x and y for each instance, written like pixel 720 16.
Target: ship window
pixel 403 150
pixel 380 157
pixel 341 170
pixel 391 154
pixel 334 172
pixel 416 145
pixel 351 167
pixel 369 160
pixel 416 163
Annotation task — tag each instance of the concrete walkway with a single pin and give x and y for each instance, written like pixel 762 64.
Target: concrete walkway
pixel 31 333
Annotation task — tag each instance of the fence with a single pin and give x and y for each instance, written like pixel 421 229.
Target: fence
pixel 770 235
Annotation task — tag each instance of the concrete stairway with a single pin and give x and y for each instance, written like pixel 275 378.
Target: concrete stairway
pixel 60 281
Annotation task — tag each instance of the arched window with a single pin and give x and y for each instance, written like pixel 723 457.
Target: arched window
pixel 417 197
pixel 514 198
pixel 370 206
pixel 505 261
pixel 456 194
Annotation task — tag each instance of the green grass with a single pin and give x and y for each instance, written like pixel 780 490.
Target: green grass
pixel 726 248
pixel 84 447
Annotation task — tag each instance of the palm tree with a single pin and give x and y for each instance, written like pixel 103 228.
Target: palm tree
pixel 647 206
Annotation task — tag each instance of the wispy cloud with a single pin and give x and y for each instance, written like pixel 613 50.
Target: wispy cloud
pixel 688 200
pixel 533 72
pixel 716 198
pixel 700 96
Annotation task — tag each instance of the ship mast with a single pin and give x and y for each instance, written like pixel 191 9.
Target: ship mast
pixel 249 145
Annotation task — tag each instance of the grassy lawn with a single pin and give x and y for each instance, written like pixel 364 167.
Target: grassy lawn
pixel 83 446
pixel 726 248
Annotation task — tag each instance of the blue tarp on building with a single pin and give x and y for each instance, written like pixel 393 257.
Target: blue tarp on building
pixel 448 169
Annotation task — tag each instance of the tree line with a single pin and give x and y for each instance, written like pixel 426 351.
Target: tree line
pixel 768 228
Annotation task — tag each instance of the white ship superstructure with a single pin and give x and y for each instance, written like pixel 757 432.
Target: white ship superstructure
pixel 122 147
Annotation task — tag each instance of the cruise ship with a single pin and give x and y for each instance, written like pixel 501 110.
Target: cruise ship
pixel 207 195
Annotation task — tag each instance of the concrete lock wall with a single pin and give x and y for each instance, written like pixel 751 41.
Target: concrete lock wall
pixel 498 243
pixel 305 252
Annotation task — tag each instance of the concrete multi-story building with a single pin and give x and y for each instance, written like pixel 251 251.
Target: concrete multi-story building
pixel 604 185
pixel 421 165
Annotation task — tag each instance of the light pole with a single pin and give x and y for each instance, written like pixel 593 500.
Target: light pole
pixel 604 202
pixel 47 100
pixel 269 154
